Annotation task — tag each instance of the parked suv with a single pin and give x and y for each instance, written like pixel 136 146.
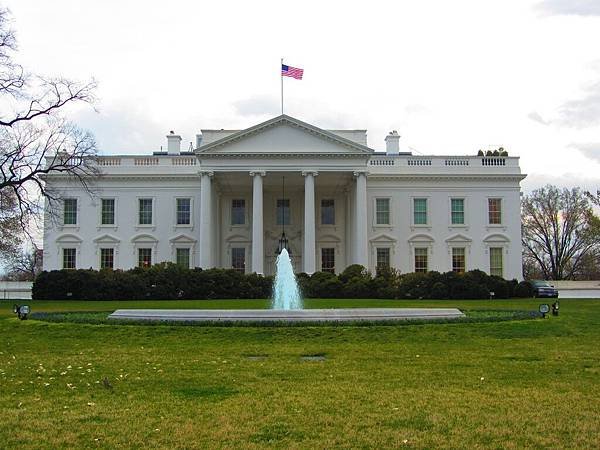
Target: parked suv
pixel 542 288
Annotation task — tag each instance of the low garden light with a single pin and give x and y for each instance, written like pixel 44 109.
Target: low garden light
pixel 544 309
pixel 22 311
pixel 555 307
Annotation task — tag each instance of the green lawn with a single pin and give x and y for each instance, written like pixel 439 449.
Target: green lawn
pixel 515 384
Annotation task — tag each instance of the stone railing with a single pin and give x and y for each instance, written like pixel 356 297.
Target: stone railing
pixel 391 163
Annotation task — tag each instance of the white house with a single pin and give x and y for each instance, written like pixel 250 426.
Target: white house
pixel 339 202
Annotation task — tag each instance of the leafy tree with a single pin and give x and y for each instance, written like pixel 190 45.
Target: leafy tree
pixel 559 231
pixel 36 141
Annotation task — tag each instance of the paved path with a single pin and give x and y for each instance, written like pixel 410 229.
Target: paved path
pixel 304 315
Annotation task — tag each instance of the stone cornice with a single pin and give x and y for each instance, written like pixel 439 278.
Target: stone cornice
pixel 281 155
pixel 445 177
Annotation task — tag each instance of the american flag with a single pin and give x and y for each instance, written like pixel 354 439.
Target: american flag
pixel 289 71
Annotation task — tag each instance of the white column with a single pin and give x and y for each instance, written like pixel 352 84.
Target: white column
pixel 206 256
pixel 361 246
pixel 258 256
pixel 309 222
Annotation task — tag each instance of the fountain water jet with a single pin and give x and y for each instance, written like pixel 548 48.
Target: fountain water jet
pixel 286 293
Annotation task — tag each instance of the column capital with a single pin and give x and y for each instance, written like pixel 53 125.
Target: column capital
pixel 260 173
pixel 358 173
pixel 306 173
pixel 208 173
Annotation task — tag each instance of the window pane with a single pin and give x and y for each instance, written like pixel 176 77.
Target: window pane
pixel 70 211
pixel 283 211
pixel 383 258
pixel 421 259
pixel 495 211
pixel 496 261
pixel 238 259
pixel 182 257
pixel 108 211
pixel 328 260
pixel 458 211
pixel 420 211
pixel 69 258
pixel 382 211
pixel 144 257
pixel 183 211
pixel 145 211
pixel 327 212
pixel 238 212
pixel 107 258
pixel 458 259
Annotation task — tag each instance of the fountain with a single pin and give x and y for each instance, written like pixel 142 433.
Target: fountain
pixel 286 293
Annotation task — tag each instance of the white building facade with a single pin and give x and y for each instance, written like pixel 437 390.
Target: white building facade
pixel 227 203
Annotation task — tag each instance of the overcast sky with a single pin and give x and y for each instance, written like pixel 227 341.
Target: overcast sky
pixel 451 76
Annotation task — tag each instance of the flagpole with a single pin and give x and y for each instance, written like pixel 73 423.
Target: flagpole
pixel 281 75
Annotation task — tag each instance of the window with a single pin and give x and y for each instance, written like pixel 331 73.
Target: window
pixel 327 212
pixel 69 258
pixel 420 211
pixel 70 211
pixel 328 260
pixel 382 211
pixel 383 258
pixel 458 259
pixel 283 211
pixel 496 261
pixel 495 211
pixel 182 257
pixel 145 211
pixel 238 212
pixel 238 259
pixel 144 257
pixel 421 259
pixel 107 258
pixel 457 211
pixel 183 211
pixel 107 212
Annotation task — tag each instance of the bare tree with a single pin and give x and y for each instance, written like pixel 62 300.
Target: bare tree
pixel 36 141
pixel 560 232
pixel 24 265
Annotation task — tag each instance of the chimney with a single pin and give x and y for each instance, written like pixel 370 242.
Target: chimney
pixel 173 143
pixel 392 143
pixel 198 140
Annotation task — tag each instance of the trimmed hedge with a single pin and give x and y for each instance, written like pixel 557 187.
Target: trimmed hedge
pixel 169 281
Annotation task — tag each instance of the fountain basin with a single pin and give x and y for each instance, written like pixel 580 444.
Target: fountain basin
pixel 297 315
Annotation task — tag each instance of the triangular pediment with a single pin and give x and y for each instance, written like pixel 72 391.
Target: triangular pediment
pixel 107 239
pixel 283 135
pixel 458 238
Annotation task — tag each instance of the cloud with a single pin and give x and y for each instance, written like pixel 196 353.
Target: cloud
pixel 569 7
pixel 536 117
pixel 582 112
pixel 568 180
pixel 590 150
pixel 258 105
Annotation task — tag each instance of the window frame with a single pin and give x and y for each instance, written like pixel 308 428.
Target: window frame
pixel 100 215
pixel 389 212
pixel 452 256
pixel 415 259
pixel 101 258
pixel 321 210
pixel 64 211
pixel 139 250
pixel 413 211
pixel 330 269
pixel 138 211
pixel 389 257
pixel 289 207
pixel 75 251
pixel 189 256
pixel 488 212
pixel 245 214
pixel 501 250
pixel 191 213
pixel 464 212
pixel 233 259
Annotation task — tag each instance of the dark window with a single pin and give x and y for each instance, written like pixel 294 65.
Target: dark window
pixel 145 211
pixel 458 259
pixel 420 211
pixel 238 259
pixel 184 211
pixel 283 211
pixel 327 212
pixel 144 257
pixel 496 261
pixel 421 259
pixel 69 258
pixel 495 211
pixel 182 257
pixel 382 211
pixel 108 211
pixel 383 258
pixel 107 258
pixel 70 211
pixel 457 206
pixel 328 260
pixel 238 212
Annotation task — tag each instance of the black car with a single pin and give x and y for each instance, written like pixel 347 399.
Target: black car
pixel 542 288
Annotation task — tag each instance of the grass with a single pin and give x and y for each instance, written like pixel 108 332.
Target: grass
pixel 506 384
